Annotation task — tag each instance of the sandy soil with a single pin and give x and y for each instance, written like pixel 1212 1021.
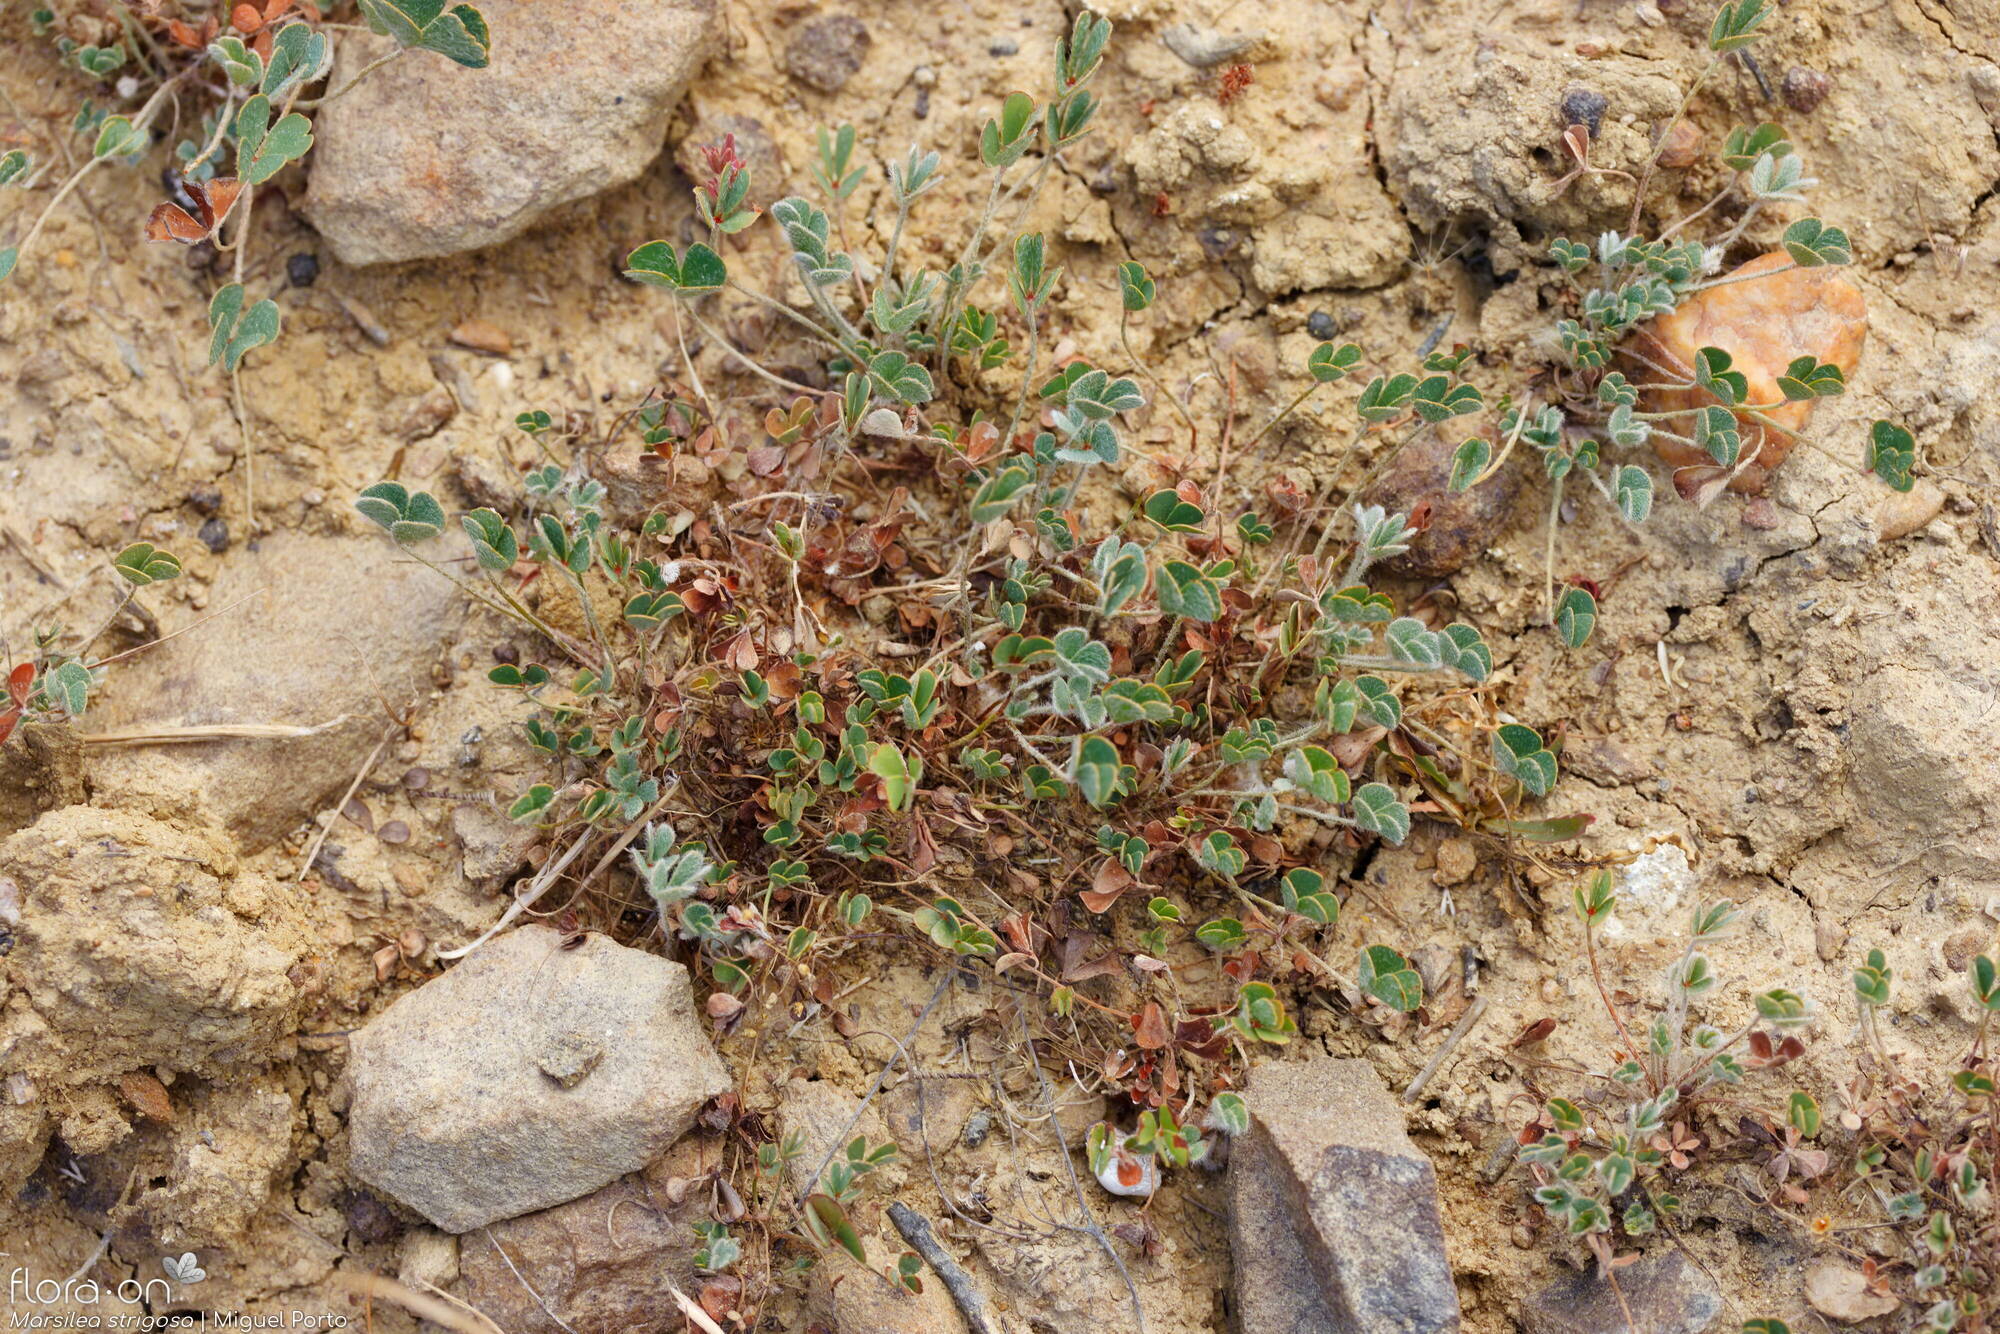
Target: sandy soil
pixel 1791 701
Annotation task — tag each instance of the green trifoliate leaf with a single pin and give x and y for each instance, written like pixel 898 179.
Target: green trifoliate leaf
pixel 118 137
pixel 1389 977
pixel 897 377
pixel 143 563
pixel 1711 372
pixel 1004 139
pixel 1807 378
pixel 1468 461
pixel 1745 145
pixel 997 494
pixel 1169 511
pixel 67 686
pixel 1436 399
pixel 1328 363
pixel 1520 754
pixel 1184 590
pixel 1137 289
pixel 458 34
pixel 1385 397
pixel 1377 810
pixel 1576 616
pixel 264 149
pixel 299 55
pixel 1811 243
pixel 494 543
pixel 408 516
pixel 1716 430
pixel 235 330
pixel 1736 24
pixel 239 64
pixel 1892 453
pixel 1634 489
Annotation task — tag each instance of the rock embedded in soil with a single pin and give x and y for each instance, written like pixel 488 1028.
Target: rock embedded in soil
pixel 41 768
pixel 1842 1292
pixel 143 944
pixel 1459 525
pixel 828 51
pixel 599 1263
pixel 1666 1294
pixel 329 629
pixel 1763 325
pixel 427 158
pixel 454 1115
pixel 1333 1213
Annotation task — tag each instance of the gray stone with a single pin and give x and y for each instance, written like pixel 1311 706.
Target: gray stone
pixel 454 1115
pixel 1666 1293
pixel 826 52
pixel 327 630
pixel 1333 1216
pixel 428 158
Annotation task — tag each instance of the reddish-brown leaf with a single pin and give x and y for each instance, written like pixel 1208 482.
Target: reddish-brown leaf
pixel 1110 881
pixel 1149 1027
pixel 1536 1031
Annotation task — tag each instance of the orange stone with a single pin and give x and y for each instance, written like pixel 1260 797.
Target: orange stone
pixel 1763 325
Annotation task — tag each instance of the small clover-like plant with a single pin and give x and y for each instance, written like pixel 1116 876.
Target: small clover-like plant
pixel 1604 1173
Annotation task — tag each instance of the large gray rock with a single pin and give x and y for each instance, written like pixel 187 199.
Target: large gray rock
pixel 1665 1294
pixel 428 158
pixel 1333 1216
pixel 527 1076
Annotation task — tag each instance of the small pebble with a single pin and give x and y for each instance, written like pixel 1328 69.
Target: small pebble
pixel 1004 47
pixel 827 52
pixel 1321 326
pixel 483 336
pixel 1585 107
pixel 1804 89
pixel 394 832
pixel 214 535
pixel 303 269
pixel 1681 147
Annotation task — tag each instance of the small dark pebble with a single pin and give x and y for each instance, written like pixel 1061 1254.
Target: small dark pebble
pixel 922 109
pixel 206 499
pixel 303 269
pixel 1583 106
pixel 1321 326
pixel 506 653
pixel 1804 89
pixel 1004 47
pixel 215 536
pixel 1217 241
pixel 1104 181
pixel 371 1221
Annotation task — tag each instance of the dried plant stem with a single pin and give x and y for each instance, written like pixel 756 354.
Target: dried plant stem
pixel 965 1294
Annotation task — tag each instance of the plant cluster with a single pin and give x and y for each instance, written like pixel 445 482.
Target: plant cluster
pixel 1924 1162
pixel 1601 1167
pixel 55 682
pixel 1588 411
pixel 240 89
